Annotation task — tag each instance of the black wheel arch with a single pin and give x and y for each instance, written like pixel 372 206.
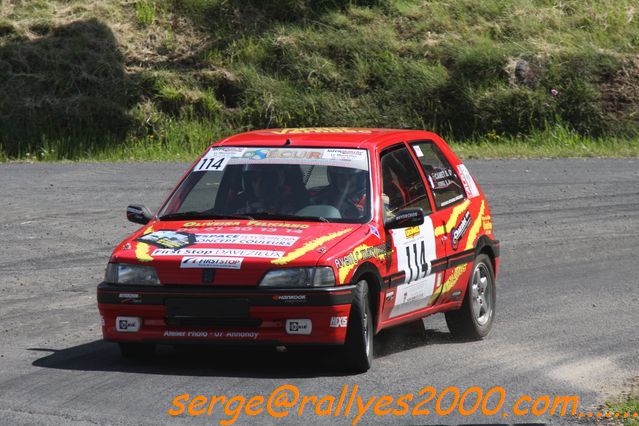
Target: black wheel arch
pixel 489 247
pixel 369 272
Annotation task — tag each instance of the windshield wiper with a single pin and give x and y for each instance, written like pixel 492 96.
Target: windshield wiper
pixel 278 216
pixel 203 215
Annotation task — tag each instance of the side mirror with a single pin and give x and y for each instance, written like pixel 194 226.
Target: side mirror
pixel 405 218
pixel 138 214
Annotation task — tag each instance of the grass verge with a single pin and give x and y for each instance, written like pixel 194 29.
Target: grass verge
pixel 183 141
pixel 629 405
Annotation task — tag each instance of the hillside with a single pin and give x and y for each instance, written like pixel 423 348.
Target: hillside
pixel 81 78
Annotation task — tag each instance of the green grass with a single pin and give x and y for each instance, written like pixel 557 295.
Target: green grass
pixel 184 141
pixel 121 79
pixel 629 405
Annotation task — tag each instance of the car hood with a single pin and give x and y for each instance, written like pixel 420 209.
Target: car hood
pixel 230 252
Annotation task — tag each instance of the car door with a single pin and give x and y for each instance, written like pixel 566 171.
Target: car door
pixel 451 219
pixel 411 280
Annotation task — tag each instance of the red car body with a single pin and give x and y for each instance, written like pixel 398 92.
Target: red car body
pixel 438 255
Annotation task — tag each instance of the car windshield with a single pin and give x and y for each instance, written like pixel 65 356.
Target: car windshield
pixel 317 184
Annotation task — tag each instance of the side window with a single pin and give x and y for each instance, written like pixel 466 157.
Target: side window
pixel 402 186
pixel 446 186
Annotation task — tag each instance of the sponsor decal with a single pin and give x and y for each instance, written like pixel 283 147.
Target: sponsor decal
pixel 452 279
pixel 441 178
pixel 129 297
pixel 168 239
pixel 270 254
pixel 458 232
pixel 375 231
pixel 213 334
pixel 456 295
pixel 213 223
pixel 241 334
pixel 390 294
pixel 452 220
pixel 357 158
pixel 467 181
pixel 247 239
pixel 212 262
pixel 286 153
pixel 405 216
pixel 127 246
pixel 303 130
pixel 299 326
pixel 418 151
pixel 216 159
pixel 127 324
pixel 452 200
pixel 363 252
pixel 309 246
pixel 142 249
pixel 291 298
pixel 487 224
pixel 412 232
pixel 277 224
pixel 338 322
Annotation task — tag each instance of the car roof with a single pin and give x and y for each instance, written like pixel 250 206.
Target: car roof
pixel 347 137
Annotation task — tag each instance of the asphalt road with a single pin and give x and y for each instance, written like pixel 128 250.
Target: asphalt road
pixel 567 317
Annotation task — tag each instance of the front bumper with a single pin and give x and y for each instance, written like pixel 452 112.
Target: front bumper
pixel 193 314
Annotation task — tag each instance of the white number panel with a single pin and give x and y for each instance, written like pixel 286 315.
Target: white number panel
pixel 415 248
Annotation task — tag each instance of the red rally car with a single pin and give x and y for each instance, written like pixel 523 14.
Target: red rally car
pixel 306 236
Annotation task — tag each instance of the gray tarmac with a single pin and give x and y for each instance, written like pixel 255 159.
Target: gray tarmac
pixel 567 317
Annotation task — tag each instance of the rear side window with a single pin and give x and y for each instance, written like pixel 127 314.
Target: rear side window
pixel 446 186
pixel 402 185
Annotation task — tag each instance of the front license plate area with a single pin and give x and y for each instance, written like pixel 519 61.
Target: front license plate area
pixel 206 308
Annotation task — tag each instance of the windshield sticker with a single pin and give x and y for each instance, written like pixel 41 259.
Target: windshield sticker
pixel 168 239
pixel 212 262
pixel 452 200
pixel 441 178
pixel 248 239
pixel 418 150
pixel 217 159
pixel 467 181
pixel 303 130
pixel 269 254
pixel 354 158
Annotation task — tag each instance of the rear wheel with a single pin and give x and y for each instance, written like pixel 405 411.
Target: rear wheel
pixel 474 320
pixel 136 350
pixel 359 334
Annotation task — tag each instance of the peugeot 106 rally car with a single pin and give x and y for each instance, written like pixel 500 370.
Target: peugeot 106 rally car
pixel 306 236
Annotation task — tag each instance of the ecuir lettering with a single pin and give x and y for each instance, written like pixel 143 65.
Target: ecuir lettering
pixel 261 154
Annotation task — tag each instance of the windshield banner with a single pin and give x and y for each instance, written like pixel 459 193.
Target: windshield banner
pixel 217 158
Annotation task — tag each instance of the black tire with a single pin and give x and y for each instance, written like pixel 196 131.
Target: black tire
pixel 360 331
pixel 136 350
pixel 464 323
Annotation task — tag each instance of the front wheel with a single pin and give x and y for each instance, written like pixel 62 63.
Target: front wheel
pixel 359 334
pixel 474 320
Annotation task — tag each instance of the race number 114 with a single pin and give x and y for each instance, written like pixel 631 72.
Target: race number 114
pixel 211 163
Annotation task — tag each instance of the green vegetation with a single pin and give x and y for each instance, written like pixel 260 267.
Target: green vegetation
pixel 628 405
pixel 160 79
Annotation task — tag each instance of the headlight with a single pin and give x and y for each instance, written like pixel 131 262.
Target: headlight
pixel 123 273
pixel 299 278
